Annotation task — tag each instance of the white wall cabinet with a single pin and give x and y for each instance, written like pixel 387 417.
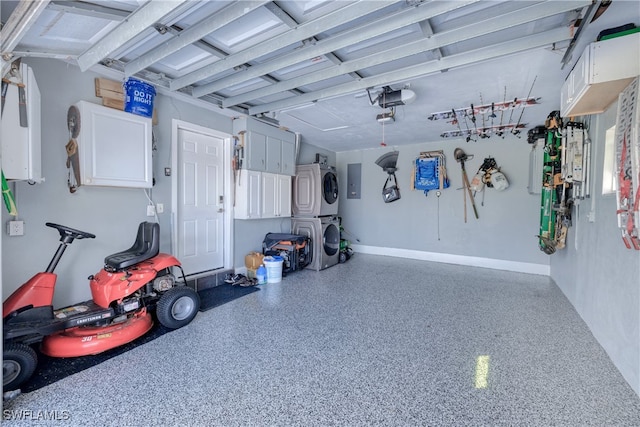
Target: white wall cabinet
pixel 600 75
pixel 114 147
pixel 21 145
pixel 267 148
pixel 276 195
pixel 261 195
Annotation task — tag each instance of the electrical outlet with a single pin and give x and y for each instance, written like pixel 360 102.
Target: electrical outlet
pixel 159 207
pixel 151 210
pixel 15 228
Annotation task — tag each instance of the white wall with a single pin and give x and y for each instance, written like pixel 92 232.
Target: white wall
pixel 598 274
pixel 504 236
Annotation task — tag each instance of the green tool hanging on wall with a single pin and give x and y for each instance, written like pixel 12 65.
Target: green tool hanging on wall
pixel 552 231
pixel 9 201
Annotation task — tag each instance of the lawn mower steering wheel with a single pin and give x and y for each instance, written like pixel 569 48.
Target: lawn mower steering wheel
pixel 67 234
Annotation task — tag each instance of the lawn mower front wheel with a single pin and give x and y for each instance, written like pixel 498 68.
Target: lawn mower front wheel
pixel 19 362
pixel 177 307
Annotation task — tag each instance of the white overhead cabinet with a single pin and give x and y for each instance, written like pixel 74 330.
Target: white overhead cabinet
pixel 114 147
pixel 266 148
pixel 263 189
pixel 603 71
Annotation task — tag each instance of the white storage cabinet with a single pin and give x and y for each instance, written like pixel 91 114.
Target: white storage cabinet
pixel 603 71
pixel 276 195
pixel 114 147
pixel 266 148
pixel 261 195
pixel 21 146
pixel 268 163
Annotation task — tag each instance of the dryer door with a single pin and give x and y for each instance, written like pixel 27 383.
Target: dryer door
pixel 331 239
pixel 330 187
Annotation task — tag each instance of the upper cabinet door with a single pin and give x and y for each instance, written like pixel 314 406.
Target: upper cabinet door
pixel 255 151
pixel 273 154
pixel 288 162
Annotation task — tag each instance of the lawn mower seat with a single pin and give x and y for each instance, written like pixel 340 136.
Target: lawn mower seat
pixel 147 245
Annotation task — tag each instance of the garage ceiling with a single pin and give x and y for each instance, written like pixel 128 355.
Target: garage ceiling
pixel 316 66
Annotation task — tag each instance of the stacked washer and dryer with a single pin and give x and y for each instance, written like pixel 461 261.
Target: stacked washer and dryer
pixel 315 210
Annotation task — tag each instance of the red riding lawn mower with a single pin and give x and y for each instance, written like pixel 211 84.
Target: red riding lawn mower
pixel 131 283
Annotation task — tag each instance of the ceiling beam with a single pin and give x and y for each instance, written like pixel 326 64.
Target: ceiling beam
pixel 90 10
pixel 292 23
pixel 420 70
pixel 193 34
pixel 175 30
pixel 21 19
pixel 427 31
pixel 144 17
pixel 511 19
pixel 589 14
pixel 355 35
pixel 301 32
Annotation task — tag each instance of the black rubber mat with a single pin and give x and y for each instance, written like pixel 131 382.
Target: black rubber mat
pixel 52 369
pixel 215 297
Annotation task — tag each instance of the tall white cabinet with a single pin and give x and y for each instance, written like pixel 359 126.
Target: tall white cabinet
pixel 263 189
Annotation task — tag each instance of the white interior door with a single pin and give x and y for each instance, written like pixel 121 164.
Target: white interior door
pixel 200 218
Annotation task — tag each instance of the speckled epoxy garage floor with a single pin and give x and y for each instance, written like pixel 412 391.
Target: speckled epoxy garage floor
pixel 375 341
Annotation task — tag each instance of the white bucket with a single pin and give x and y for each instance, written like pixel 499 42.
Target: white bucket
pixel 273 264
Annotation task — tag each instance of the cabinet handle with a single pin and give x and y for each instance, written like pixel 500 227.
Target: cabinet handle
pixel 220 210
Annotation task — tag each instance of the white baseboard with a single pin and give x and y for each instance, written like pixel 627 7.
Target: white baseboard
pixel 497 264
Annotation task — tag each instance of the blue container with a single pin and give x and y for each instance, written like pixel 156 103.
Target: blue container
pixel 261 275
pixel 138 97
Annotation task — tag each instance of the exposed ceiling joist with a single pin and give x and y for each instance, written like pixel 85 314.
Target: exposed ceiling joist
pixel 350 37
pixel 589 15
pixel 292 23
pixel 89 10
pixel 193 34
pixel 22 18
pixel 200 44
pixel 144 17
pixel 427 30
pixel 483 54
pixel 436 41
pixel 302 32
pixel 283 56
